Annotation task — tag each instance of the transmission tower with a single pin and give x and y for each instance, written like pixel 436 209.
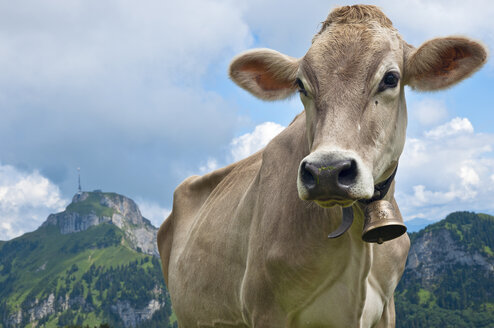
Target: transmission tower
pixel 79 176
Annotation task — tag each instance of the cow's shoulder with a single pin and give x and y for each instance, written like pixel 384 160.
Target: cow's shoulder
pixel 194 190
pixel 192 194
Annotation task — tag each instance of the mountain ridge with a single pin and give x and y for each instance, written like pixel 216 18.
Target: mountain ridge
pixel 88 209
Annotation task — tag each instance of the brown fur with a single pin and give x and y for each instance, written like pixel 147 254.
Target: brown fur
pixel 356 14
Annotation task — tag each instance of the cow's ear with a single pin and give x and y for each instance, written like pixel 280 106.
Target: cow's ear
pixel 443 62
pixel 265 73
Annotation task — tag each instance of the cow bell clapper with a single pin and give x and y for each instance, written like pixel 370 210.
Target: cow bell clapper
pixel 346 223
pixel 382 222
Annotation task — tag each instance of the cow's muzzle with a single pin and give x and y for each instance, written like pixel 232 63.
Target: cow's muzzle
pixel 329 181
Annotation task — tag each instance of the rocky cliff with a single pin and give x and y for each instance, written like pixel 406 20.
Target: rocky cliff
pixel 449 275
pixel 92 208
pixel 433 252
pixel 37 311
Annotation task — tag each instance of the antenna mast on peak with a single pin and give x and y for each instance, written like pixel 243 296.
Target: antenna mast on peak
pixel 79 176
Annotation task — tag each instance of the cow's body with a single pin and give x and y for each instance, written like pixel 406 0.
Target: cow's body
pixel 247 245
pixel 270 261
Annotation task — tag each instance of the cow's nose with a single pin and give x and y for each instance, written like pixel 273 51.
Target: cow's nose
pixel 329 180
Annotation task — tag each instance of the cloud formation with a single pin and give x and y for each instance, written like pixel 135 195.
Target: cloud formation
pixel 449 168
pixel 429 112
pixel 454 127
pixel 424 19
pixel 153 211
pixel 249 143
pixel 242 147
pixel 26 199
pixel 117 88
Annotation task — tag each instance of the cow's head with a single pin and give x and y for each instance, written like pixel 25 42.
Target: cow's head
pixel 351 83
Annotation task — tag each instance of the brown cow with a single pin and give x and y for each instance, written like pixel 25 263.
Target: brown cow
pixel 247 245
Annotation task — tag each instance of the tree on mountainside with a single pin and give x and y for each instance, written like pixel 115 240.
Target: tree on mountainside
pixel 453 293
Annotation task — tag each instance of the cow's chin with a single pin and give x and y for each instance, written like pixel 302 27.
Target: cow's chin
pixel 326 203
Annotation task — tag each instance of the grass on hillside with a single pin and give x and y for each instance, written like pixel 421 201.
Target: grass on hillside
pixel 91 205
pixel 38 263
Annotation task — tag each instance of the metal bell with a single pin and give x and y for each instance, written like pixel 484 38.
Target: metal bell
pixel 382 222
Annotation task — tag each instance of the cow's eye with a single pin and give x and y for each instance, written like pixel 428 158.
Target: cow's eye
pixel 301 87
pixel 390 80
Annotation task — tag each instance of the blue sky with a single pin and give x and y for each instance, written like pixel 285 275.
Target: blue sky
pixel 136 94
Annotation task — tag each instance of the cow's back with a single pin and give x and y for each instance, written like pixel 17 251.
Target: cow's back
pixel 205 238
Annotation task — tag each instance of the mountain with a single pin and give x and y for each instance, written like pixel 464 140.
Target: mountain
pixel 96 262
pixel 93 208
pixel 449 275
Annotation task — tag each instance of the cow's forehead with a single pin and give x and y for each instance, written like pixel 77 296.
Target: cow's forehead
pixel 347 51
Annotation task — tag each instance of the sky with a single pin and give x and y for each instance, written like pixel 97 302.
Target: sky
pixel 136 95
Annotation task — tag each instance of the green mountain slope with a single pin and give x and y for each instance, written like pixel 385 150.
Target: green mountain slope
pixel 97 275
pixel 449 277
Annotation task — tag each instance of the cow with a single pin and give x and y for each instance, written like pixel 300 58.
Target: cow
pixel 247 245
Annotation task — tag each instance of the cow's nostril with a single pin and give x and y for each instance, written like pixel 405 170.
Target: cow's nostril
pixel 348 175
pixel 307 176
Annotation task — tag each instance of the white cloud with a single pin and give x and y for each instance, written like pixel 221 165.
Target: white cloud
pixel 429 111
pixel 211 165
pixel 249 143
pixel 243 146
pixel 79 42
pixel 93 83
pixel 424 19
pixel 286 26
pixel 469 176
pixel 153 211
pixel 423 196
pixel 455 126
pixel 26 200
pixel 415 152
pixel 440 174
